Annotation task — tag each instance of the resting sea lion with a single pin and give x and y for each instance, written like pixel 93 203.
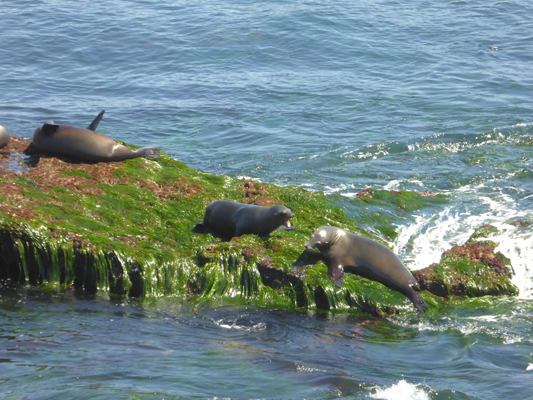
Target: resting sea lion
pixel 4 136
pixel 365 257
pixel 85 144
pixel 227 219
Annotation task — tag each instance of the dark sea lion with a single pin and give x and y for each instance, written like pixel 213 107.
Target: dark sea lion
pixel 85 144
pixel 227 219
pixel 4 136
pixel 365 257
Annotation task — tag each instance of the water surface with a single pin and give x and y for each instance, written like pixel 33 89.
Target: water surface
pixel 336 96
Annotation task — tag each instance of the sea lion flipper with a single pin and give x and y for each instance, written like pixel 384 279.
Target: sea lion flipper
pixel 284 228
pixel 96 121
pixel 336 272
pixel 49 128
pixel 150 152
pixel 417 300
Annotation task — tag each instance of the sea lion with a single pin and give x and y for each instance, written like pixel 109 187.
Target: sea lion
pixel 4 136
pixel 85 144
pixel 227 219
pixel 365 257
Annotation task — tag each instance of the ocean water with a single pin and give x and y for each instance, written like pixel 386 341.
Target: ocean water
pixel 332 96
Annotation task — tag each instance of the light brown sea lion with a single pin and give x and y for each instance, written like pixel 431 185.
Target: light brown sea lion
pixel 85 144
pixel 365 257
pixel 227 219
pixel 4 136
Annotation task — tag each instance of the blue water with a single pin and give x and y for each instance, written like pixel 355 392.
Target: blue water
pixel 332 96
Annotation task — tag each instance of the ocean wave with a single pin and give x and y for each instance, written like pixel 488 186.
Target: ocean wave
pixel 402 390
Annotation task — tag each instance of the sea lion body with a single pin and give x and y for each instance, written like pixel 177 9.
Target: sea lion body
pixel 84 144
pixel 4 136
pixel 227 219
pixel 365 257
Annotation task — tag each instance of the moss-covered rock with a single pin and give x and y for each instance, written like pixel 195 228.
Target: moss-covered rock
pixel 125 228
pixel 472 270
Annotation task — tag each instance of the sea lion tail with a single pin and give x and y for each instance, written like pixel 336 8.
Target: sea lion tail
pixel 150 152
pixel 417 301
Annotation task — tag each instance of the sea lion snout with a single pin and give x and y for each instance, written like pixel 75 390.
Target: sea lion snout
pixel 288 216
pixel 284 213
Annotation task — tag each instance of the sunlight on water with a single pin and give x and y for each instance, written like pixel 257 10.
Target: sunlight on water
pixel 505 326
pixel 329 96
pixel 234 324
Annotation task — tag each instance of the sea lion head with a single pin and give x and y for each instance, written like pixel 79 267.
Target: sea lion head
pixel 282 214
pixel 324 237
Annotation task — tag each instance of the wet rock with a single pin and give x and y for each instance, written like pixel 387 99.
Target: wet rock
pixel 472 269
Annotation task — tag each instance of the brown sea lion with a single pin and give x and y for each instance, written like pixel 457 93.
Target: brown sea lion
pixel 85 144
pixel 227 219
pixel 358 255
pixel 4 136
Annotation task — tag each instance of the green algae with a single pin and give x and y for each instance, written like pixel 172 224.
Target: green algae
pixel 126 230
pixel 471 270
pixel 382 211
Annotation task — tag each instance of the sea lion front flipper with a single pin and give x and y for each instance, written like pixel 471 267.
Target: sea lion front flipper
pixel 96 121
pixel 284 228
pixel 417 300
pixel 49 128
pixel 336 272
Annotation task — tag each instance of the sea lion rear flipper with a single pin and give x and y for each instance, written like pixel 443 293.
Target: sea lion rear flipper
pixel 96 121
pixel 336 273
pixel 417 300
pixel 150 152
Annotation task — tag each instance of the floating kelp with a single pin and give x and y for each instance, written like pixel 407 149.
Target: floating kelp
pixel 125 228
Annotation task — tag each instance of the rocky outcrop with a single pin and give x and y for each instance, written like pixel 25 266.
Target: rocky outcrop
pixel 472 269
pixel 124 228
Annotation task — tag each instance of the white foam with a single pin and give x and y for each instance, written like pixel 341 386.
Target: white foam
pixel 234 325
pixel 421 243
pixel 392 185
pixel 307 370
pixel 522 125
pixel 343 189
pixel 403 390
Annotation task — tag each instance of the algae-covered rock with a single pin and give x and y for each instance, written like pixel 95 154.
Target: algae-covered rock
pixel 125 228
pixel 473 270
